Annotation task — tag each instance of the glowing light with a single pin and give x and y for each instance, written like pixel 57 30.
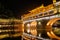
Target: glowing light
pixel 39 23
pixel 54 1
pixel 0 31
pixel 52 16
pixel 34 23
pixel 57 3
pixel 28 30
pixel 28 25
pixel 55 28
pixel 46 17
pixel 42 18
pixel 39 35
pixel 55 10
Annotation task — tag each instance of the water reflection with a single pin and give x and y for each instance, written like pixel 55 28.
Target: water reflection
pixel 56 28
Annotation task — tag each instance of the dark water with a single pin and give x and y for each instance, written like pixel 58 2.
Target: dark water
pixel 12 38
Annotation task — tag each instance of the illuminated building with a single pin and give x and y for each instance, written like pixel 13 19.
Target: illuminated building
pixel 39 24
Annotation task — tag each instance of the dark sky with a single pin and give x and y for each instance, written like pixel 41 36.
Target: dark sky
pixel 20 7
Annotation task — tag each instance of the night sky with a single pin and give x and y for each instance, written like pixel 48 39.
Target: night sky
pixel 20 7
